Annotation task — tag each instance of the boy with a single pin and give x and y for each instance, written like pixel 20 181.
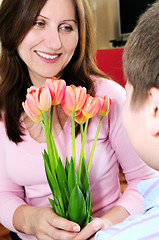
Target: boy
pixel 141 120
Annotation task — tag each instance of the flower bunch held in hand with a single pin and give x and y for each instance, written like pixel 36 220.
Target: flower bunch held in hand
pixel 70 188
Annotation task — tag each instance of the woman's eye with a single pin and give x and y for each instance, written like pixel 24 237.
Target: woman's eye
pixel 66 28
pixel 39 23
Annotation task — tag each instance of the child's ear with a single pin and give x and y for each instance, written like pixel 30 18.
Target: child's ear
pixel 154 108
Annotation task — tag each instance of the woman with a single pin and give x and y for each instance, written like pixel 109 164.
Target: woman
pixel 41 39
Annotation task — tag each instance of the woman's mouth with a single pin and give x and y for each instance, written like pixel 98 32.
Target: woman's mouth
pixel 47 56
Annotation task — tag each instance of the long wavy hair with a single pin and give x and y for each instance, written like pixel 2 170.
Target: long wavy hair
pixel 16 19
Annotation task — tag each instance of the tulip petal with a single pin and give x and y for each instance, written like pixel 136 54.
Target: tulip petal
pixel 43 98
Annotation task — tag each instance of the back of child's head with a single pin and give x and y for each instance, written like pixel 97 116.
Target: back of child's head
pixel 141 55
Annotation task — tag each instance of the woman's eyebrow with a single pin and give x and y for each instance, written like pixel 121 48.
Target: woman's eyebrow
pixel 65 20
pixel 43 16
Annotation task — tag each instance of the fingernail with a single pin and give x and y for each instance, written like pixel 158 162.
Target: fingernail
pixel 76 228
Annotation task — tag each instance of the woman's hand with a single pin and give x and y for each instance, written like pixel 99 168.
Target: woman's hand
pixel 43 223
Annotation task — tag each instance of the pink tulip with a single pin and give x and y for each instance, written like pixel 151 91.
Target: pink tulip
pixel 92 106
pixel 80 118
pixel 106 103
pixel 30 105
pixel 43 98
pixel 74 99
pixel 57 89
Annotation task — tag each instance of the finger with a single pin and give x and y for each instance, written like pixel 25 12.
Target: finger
pixel 56 233
pixel 63 224
pixel 91 228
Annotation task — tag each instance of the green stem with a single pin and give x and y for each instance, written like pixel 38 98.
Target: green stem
pixel 73 138
pixel 82 154
pixel 42 124
pixel 94 145
pixel 53 157
pixel 50 144
pixel 51 118
pixel 81 128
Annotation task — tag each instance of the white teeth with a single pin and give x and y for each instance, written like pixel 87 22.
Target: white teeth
pixel 46 55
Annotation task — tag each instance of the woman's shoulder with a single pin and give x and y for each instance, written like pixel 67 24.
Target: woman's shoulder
pixel 104 86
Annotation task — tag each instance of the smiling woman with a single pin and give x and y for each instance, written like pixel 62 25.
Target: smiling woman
pixel 50 44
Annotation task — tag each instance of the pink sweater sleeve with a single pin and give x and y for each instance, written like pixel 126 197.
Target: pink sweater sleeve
pixel 11 195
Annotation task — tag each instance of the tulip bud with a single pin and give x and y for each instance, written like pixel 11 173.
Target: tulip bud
pixel 30 105
pixel 92 106
pixel 106 103
pixel 57 89
pixel 74 98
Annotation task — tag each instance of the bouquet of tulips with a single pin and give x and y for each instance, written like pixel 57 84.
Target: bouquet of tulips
pixel 70 188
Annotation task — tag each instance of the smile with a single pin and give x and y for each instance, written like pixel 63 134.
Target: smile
pixel 47 56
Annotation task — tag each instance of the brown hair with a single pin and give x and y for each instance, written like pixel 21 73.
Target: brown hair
pixel 141 55
pixel 16 19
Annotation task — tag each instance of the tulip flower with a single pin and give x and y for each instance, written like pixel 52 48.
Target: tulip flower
pixel 92 106
pixel 43 98
pixel 80 118
pixel 106 103
pixel 74 99
pixel 30 105
pixel 57 89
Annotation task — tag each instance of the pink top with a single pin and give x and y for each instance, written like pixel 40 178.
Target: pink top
pixel 22 174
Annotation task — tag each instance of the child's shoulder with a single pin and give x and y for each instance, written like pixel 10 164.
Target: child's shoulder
pixel 149 189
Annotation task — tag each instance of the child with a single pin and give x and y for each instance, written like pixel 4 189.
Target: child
pixel 141 120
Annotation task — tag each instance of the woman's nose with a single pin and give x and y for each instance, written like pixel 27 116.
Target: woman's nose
pixel 52 40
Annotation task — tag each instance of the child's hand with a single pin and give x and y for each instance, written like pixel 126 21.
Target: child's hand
pixel 89 231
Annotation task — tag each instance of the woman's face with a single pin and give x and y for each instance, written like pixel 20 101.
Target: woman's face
pixel 50 44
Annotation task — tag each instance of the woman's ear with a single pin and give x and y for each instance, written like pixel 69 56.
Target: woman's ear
pixel 154 110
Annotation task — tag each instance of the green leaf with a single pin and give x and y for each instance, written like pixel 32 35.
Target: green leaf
pixel 49 175
pixel 56 206
pixel 67 164
pixel 72 176
pixel 85 185
pixel 46 157
pixel 66 192
pixel 53 183
pixel 77 207
pixel 62 180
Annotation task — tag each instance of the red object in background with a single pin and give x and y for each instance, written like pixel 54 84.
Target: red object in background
pixel 110 62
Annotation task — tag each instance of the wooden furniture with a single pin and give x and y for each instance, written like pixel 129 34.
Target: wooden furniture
pixel 4 233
